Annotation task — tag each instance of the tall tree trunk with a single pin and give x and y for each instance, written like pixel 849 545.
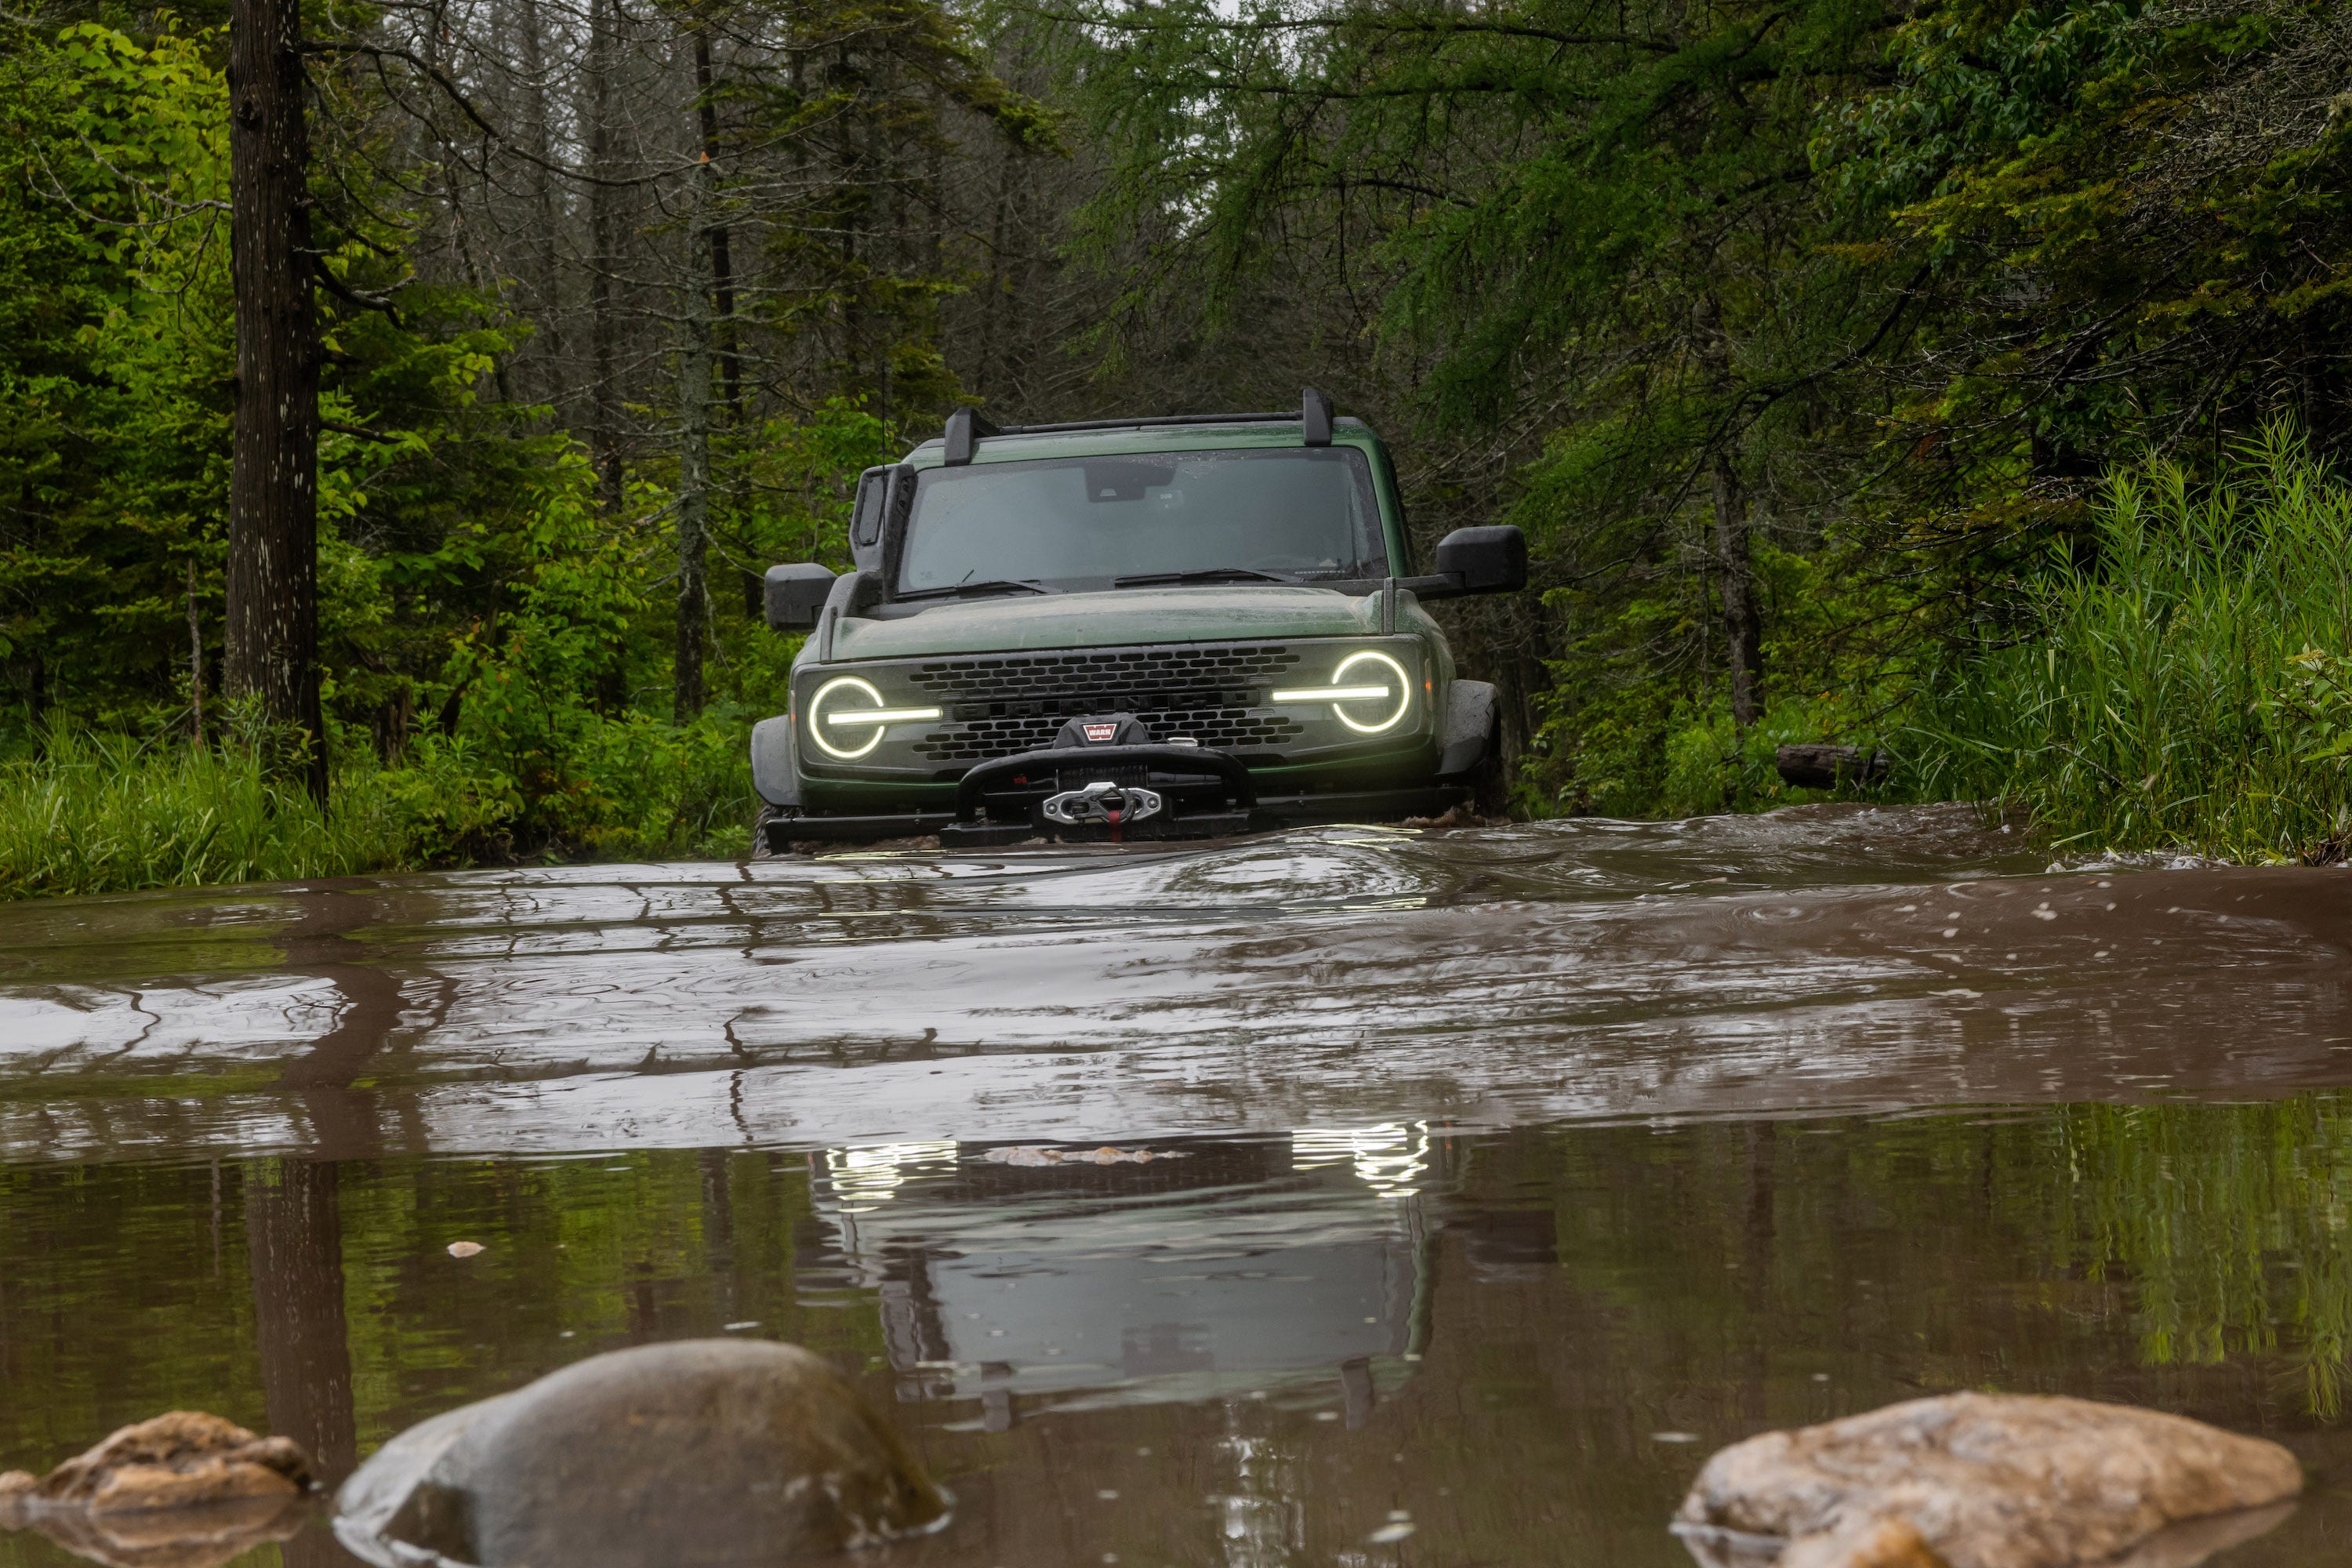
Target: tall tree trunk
pixel 693 453
pixel 1735 555
pixel 1743 631
pixel 693 503
pixel 548 287
pixel 987 376
pixel 272 635
pixel 196 661
pixel 722 261
pixel 602 224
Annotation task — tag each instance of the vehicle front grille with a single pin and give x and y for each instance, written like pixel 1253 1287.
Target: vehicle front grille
pixel 1002 703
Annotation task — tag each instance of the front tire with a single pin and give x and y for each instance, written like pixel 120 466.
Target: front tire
pixel 760 849
pixel 1490 793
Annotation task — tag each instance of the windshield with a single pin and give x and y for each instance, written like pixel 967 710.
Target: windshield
pixel 1292 513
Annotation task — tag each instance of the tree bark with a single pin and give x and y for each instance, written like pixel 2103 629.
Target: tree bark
pixel 548 288
pixel 694 455
pixel 602 224
pixel 272 634
pixel 722 261
pixel 196 661
pixel 1735 564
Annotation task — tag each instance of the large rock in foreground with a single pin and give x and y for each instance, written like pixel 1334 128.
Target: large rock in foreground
pixel 1975 1480
pixel 696 1454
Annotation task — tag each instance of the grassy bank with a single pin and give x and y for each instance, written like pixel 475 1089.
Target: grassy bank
pixel 2186 684
pixel 2179 679
pixel 94 813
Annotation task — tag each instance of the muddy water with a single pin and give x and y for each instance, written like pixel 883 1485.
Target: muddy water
pixel 1510 1172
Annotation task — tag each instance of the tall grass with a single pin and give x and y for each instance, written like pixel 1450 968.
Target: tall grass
pixel 2189 684
pixel 93 813
pixel 100 813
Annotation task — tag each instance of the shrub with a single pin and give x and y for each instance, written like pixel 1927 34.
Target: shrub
pixel 2186 684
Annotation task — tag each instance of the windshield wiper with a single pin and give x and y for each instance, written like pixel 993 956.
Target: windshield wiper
pixel 991 585
pixel 1204 575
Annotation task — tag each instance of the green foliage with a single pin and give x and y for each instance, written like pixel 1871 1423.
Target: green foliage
pixel 803 475
pixel 1616 739
pixel 495 647
pixel 102 814
pixel 2188 690
pixel 98 814
pixel 2130 227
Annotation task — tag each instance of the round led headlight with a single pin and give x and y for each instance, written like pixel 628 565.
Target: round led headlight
pixel 847 709
pixel 1370 693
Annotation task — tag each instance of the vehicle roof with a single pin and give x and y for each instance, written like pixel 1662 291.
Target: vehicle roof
pixel 1143 436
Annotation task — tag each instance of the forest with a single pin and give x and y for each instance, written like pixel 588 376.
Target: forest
pixel 1965 379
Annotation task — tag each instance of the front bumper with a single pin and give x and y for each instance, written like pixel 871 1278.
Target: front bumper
pixel 985 830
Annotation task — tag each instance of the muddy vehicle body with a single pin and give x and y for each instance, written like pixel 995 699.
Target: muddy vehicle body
pixel 1127 630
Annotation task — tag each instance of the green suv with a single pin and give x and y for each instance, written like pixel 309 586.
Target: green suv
pixel 1126 629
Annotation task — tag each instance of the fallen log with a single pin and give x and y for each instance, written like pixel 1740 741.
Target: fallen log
pixel 1828 767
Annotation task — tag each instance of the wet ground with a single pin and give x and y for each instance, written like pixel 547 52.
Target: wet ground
pixel 1510 1172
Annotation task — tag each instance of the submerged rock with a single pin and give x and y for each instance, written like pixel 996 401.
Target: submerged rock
pixel 1978 1480
pixel 183 1490
pixel 703 1452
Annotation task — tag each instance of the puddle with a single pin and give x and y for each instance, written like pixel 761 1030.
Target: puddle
pixel 1511 1173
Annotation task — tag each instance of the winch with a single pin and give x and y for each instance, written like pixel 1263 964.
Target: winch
pixel 1111 804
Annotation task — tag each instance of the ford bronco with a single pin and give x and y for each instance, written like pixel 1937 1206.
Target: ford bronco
pixel 1127 630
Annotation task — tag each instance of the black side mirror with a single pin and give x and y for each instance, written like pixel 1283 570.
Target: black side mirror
pixel 796 594
pixel 1484 560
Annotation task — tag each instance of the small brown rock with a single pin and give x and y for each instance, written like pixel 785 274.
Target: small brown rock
pixel 183 1490
pixel 183 1459
pixel 1984 1481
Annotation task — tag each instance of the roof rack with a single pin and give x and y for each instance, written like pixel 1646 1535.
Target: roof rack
pixel 966 429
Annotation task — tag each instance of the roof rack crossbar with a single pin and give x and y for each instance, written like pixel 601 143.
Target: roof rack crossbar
pixel 966 429
pixel 1140 422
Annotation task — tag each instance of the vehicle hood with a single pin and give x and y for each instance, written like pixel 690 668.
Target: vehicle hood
pixel 1213 613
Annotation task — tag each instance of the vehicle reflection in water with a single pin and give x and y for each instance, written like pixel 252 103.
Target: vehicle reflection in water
pixel 1580 1296
pixel 1264 1268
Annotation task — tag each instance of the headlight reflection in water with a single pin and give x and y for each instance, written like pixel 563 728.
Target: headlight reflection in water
pixel 1390 1157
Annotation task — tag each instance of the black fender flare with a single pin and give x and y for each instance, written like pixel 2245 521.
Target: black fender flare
pixel 1470 708
pixel 775 774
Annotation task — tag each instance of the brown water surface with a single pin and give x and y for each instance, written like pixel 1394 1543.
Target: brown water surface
pixel 1515 1170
